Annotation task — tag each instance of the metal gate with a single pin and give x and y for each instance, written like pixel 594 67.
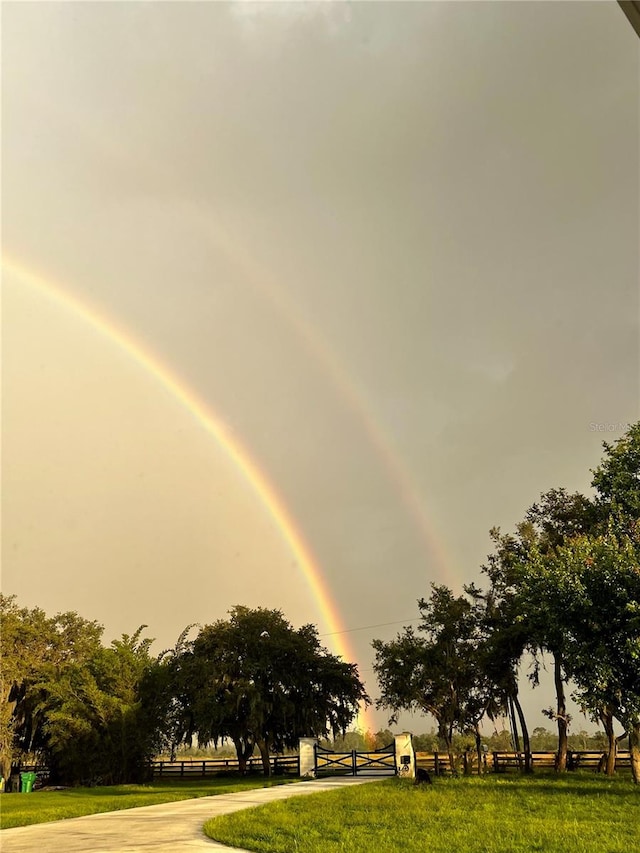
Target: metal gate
pixel 378 762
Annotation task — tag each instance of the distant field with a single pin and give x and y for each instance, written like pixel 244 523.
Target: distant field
pixel 580 813
pixel 43 806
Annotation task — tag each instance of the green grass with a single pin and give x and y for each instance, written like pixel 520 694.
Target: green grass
pixel 43 806
pixel 511 814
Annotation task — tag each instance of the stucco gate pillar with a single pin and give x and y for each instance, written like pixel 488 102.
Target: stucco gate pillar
pixel 405 756
pixel 307 750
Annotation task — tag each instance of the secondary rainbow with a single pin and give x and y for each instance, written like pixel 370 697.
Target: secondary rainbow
pixel 255 275
pixel 238 454
pixel 349 392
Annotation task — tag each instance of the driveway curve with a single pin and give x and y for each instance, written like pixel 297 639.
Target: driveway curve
pixel 166 828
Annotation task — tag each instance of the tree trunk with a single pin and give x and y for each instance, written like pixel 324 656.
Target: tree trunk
pixel 6 757
pixel 243 751
pixel 561 715
pixel 6 736
pixel 446 733
pixel 263 746
pixel 634 749
pixel 526 744
pixel 242 761
pixel 606 718
pixel 479 753
pixel 514 730
pixel 514 726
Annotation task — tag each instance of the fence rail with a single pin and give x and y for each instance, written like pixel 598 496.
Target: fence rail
pixel 581 759
pixel 200 769
pixel 438 763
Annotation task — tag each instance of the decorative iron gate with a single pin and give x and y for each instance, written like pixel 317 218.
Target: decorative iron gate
pixel 378 762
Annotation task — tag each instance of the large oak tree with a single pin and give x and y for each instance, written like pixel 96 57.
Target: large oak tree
pixel 255 680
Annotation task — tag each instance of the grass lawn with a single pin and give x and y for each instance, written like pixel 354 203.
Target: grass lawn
pixel 505 814
pixel 42 806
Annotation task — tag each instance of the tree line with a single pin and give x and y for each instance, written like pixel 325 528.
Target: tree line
pixel 97 714
pixel 566 585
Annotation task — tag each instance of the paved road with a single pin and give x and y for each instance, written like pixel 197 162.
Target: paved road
pixel 167 828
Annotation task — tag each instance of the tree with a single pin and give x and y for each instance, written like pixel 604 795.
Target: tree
pixel 23 645
pixel 524 621
pixel 426 742
pixel 542 739
pixel 348 742
pixel 92 713
pixel 593 584
pixel 617 484
pixel 172 682
pixel 382 738
pixel 508 630
pixel 36 651
pixel 255 680
pixel 554 521
pixel 439 673
pixel 103 716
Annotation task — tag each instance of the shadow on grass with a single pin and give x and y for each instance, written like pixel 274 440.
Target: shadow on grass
pixel 160 786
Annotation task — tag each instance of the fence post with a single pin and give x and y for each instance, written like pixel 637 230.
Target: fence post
pixel 307 759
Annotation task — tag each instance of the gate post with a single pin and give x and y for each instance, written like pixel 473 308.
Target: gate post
pixel 307 750
pixel 405 756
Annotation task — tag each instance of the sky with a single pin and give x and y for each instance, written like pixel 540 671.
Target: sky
pixel 300 300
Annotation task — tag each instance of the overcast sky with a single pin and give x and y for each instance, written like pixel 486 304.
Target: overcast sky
pixel 392 247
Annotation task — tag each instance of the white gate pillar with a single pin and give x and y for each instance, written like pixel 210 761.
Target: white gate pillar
pixel 405 756
pixel 307 749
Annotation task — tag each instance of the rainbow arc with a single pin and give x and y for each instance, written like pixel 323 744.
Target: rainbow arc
pixel 247 467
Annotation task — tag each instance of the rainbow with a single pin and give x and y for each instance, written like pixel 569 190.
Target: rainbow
pixel 237 453
pixel 350 393
pixel 217 233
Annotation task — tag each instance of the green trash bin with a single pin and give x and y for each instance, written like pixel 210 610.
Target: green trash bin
pixel 26 782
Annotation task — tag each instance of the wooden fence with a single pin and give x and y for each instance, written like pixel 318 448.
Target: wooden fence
pixel 501 762
pixel 202 768
pixel 438 764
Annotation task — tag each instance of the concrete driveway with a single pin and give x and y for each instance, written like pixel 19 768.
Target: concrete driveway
pixel 167 828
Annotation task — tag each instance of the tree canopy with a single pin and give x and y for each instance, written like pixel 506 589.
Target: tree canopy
pixel 566 583
pixel 255 680
pixel 438 670
pixel 92 713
